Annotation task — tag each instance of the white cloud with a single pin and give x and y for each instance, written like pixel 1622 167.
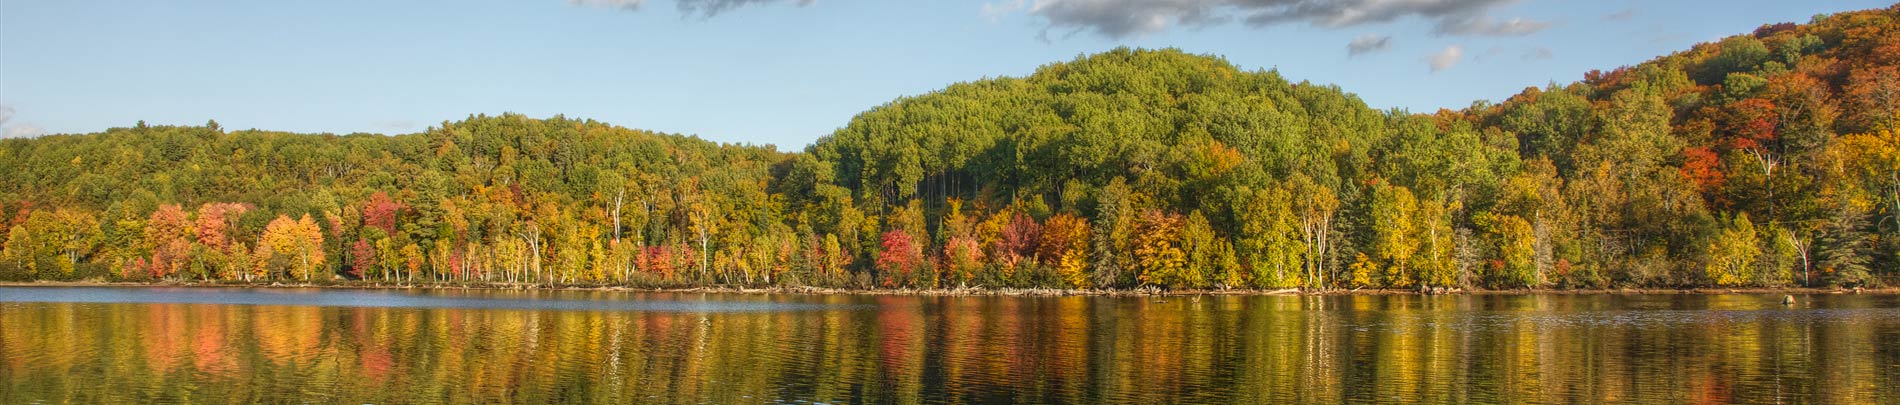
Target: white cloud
pixel 1486 26
pixel 704 8
pixel 1124 18
pixel 709 8
pixel 1368 43
pixel 996 11
pixel 1447 58
pixel 1539 53
pixel 22 131
pixel 620 4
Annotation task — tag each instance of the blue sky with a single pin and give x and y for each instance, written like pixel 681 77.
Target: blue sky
pixel 782 72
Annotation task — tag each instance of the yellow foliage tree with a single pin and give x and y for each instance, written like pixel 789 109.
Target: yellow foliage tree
pixel 1733 252
pixel 1158 257
pixel 1065 247
pixel 291 246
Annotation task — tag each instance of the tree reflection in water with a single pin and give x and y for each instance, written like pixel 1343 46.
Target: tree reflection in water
pixel 930 349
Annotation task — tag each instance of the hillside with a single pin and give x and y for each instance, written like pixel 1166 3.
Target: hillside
pixel 1786 135
pixel 1766 159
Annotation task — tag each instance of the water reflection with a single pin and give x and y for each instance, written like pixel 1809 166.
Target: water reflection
pixel 492 347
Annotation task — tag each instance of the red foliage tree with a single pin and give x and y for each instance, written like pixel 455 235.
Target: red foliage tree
pixel 19 216
pixel 168 235
pixel 1702 166
pixel 657 260
pixel 899 259
pixel 214 223
pixel 1019 240
pixel 1061 234
pixel 380 212
pixel 962 258
pixel 362 257
pixel 1872 96
pixel 457 266
pixel 1750 123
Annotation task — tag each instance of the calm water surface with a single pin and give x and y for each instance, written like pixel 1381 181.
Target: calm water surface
pixel 158 345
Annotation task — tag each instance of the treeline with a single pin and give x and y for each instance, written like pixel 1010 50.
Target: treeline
pixel 1768 159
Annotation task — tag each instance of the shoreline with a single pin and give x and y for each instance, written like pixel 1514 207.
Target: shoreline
pixel 978 291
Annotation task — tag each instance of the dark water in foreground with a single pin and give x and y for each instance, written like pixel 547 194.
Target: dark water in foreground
pixel 154 345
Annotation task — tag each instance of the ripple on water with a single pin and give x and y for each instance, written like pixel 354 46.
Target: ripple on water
pixel 237 345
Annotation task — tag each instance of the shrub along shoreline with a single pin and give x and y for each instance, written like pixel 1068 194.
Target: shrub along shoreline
pixel 965 291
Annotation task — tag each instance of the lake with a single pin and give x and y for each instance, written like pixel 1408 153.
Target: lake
pixel 235 345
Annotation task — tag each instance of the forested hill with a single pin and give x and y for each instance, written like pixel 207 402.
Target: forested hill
pixel 1765 159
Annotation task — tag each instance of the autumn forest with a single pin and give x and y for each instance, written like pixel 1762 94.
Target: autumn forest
pixel 1768 159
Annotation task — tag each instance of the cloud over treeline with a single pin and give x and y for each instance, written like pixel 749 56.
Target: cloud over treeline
pixel 1124 18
